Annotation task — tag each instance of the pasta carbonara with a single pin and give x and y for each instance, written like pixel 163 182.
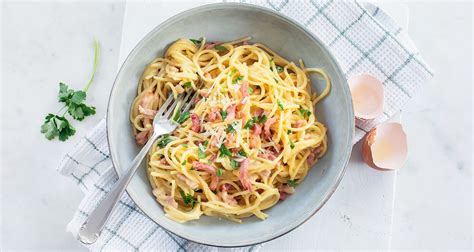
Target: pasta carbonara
pixel 250 138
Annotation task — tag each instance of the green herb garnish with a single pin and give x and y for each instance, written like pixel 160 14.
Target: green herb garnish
pixel 196 42
pixel 292 182
pixel 234 164
pixel 242 153
pixel 232 72
pixel 223 114
pixel 164 140
pixel 239 78
pixel 249 123
pixel 279 69
pixel 205 143
pixel 250 90
pixel 304 112
pixel 292 145
pixel 288 132
pixel 221 48
pixel 230 129
pixel 219 172
pixel 280 105
pixel 224 151
pixel 184 162
pixel 201 154
pixel 262 119
pixel 182 117
pixel 187 84
pixel 188 199
pixel 55 125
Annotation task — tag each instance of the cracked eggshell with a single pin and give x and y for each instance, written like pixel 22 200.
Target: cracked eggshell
pixel 385 147
pixel 367 96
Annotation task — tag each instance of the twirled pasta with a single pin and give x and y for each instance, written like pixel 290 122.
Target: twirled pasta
pixel 250 138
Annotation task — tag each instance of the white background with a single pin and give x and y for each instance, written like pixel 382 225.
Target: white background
pixel 44 43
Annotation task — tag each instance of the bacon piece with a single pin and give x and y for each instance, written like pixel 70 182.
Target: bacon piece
pixel 142 137
pixel 267 125
pixel 244 89
pixel 283 196
pixel 243 174
pixel 286 189
pixel 231 112
pixel 146 111
pixel 214 115
pixel 209 169
pixel 229 140
pixel 256 131
pixel 212 44
pixel 299 123
pixel 163 161
pixel 204 93
pixel 313 155
pixel 268 156
pixel 193 185
pixel 164 199
pixel 226 198
pixel 196 123
pixel 148 100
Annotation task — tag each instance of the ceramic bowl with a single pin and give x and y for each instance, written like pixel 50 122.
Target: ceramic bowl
pixel 227 22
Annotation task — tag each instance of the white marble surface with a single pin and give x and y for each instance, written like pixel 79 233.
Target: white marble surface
pixel 44 43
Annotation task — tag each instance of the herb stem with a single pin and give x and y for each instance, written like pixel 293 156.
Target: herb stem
pixel 94 69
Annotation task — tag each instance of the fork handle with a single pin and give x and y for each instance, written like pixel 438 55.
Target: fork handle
pixel 95 222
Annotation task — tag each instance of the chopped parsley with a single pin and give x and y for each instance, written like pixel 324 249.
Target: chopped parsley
pixel 292 182
pixel 164 140
pixel 232 72
pixel 280 105
pixel 184 145
pixel 187 84
pixel 219 172
pixel 221 48
pixel 201 154
pixel 250 90
pixel 239 78
pixel 249 123
pixel 234 164
pixel 230 129
pixel 288 132
pixel 188 199
pixel 224 151
pixel 196 42
pixel 242 153
pixel 279 69
pixel 262 119
pixel 181 118
pixel 275 80
pixel 205 143
pixel 184 162
pixel 292 145
pixel 304 112
pixel 223 114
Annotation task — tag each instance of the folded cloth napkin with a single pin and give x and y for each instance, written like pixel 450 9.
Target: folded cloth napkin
pixel 361 37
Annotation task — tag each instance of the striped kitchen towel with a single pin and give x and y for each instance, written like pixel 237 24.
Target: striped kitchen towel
pixel 362 38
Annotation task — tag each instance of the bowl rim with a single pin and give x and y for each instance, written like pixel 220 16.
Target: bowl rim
pixel 349 144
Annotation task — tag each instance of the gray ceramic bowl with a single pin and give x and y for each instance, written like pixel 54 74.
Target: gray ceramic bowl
pixel 226 22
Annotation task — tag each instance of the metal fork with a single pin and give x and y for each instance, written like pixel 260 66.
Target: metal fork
pixel 163 123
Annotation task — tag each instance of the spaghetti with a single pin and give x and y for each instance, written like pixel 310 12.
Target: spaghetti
pixel 251 137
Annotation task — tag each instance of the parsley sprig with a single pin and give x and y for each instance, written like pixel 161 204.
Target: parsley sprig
pixel 56 125
pixel 188 199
